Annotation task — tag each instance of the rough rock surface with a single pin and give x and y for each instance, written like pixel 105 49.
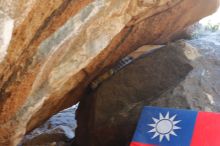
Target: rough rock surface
pixel 196 91
pixel 114 107
pixel 58 47
pixel 201 87
pixel 109 116
pixel 58 129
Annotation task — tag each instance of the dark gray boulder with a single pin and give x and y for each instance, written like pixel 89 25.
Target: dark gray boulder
pixel 108 117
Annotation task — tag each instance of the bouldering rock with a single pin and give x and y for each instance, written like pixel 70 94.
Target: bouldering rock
pixel 201 86
pixel 58 134
pixel 60 128
pixel 58 47
pixel 108 117
pixel 198 91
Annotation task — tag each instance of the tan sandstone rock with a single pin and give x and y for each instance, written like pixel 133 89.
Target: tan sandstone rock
pixel 57 47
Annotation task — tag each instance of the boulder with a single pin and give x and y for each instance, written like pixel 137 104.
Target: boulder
pixel 198 90
pixel 109 116
pixel 201 87
pixel 58 134
pixel 58 130
pixel 56 48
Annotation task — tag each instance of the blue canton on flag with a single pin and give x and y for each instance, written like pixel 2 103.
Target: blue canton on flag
pixel 165 127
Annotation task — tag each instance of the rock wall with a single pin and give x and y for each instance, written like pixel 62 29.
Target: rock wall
pixel 53 49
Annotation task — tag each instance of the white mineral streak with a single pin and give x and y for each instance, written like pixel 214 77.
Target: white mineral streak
pixel 6 28
pixel 52 49
pixel 75 44
pixel 72 48
pixel 87 34
pixel 17 9
pixel 94 38
pixel 80 40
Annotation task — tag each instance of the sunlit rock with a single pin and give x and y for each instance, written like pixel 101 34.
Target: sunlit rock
pixel 6 28
pixel 58 47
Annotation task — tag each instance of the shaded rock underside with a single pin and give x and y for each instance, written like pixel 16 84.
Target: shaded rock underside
pixel 58 47
pixel 196 91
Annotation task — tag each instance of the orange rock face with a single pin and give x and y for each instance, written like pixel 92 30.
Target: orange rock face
pixel 51 50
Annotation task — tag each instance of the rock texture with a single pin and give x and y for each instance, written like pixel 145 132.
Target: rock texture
pixel 58 47
pixel 109 116
pixel 201 87
pixel 58 130
pixel 114 107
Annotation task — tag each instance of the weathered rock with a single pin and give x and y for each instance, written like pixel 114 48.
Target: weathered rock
pixel 6 27
pixel 58 47
pixel 58 129
pixel 201 87
pixel 109 116
pixel 58 134
pixel 196 91
pixel 114 106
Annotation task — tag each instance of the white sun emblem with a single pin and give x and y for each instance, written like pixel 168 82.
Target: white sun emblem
pixel 164 127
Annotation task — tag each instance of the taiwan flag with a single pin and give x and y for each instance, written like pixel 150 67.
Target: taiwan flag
pixel 172 127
